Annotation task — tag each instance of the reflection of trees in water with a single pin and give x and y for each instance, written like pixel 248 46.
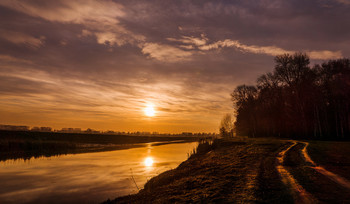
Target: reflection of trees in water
pixel 26 145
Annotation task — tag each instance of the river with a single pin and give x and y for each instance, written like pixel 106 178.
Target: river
pixel 87 177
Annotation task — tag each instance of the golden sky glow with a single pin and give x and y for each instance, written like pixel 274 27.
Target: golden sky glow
pixel 100 64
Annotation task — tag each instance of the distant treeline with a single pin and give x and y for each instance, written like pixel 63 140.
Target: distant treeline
pixel 108 132
pixel 296 100
pixel 27 144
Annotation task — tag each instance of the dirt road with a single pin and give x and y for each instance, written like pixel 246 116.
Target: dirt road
pixel 309 182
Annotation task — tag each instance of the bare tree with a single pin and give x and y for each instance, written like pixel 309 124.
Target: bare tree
pixel 227 126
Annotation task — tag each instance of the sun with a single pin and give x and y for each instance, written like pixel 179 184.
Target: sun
pixel 149 110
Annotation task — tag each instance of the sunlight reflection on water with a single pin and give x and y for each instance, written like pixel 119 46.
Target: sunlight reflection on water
pixel 88 177
pixel 148 161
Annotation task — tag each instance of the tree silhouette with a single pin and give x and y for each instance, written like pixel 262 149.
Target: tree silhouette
pixel 296 100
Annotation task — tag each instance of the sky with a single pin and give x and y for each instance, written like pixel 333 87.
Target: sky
pixel 99 64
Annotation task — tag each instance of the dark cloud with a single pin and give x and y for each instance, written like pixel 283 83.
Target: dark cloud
pixel 111 58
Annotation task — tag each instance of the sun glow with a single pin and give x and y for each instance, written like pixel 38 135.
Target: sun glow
pixel 148 161
pixel 149 110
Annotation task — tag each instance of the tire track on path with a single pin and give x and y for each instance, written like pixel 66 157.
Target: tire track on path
pixel 299 194
pixel 334 177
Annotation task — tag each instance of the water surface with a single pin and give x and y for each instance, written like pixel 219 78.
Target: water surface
pixel 89 177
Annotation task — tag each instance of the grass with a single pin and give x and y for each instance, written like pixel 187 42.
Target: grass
pixel 224 171
pixel 333 156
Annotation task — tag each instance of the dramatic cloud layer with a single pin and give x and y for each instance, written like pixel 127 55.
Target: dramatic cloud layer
pixel 97 64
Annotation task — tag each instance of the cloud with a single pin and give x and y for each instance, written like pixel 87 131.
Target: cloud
pixel 100 18
pixel 80 11
pixel 190 43
pixel 325 54
pixel 108 37
pixel 11 59
pixel 191 40
pixel 22 38
pixel 58 99
pixel 165 53
pixel 269 50
pixel 105 59
pixel 187 47
pixel 346 2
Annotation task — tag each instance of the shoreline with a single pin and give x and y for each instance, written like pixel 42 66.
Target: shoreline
pixel 26 145
pixel 224 171
pixel 100 148
pixel 238 170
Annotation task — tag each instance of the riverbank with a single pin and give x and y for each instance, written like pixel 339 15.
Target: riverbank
pixel 226 171
pixel 245 171
pixel 26 144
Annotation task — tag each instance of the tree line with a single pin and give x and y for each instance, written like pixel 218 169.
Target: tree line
pixel 296 100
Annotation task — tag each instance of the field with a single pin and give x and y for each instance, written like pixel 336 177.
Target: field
pixel 334 156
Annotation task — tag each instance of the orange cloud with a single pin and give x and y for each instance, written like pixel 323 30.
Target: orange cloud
pixel 191 40
pixel 165 53
pixel 269 50
pixel 21 38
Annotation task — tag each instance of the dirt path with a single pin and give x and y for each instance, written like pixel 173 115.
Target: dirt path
pixel 307 181
pixel 299 194
pixel 334 177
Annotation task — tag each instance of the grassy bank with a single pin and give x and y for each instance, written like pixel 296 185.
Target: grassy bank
pixel 244 171
pixel 25 144
pixel 224 171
